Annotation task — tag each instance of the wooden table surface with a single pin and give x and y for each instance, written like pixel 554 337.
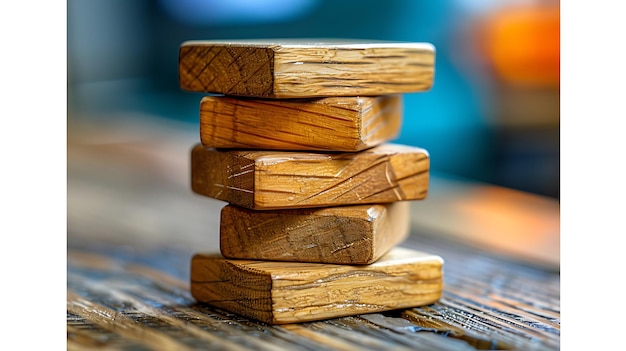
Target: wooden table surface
pixel 133 225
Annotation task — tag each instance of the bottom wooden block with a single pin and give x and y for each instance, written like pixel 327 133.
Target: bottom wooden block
pixel 344 235
pixel 292 292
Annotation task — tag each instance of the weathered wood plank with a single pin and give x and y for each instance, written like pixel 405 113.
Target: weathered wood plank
pixel 130 287
pixel 333 123
pixel 285 68
pixel 280 292
pixel 358 234
pixel 109 319
pixel 264 180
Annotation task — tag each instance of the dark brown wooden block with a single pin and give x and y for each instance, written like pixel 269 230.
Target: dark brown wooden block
pixel 292 292
pixel 358 234
pixel 265 180
pixel 333 124
pixel 289 68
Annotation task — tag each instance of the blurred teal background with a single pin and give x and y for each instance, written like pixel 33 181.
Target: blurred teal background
pixel 491 116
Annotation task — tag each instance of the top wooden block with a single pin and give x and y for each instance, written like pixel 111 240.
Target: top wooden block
pixel 305 68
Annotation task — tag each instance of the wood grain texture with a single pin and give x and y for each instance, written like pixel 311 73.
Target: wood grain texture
pixel 130 242
pixel 292 292
pixel 334 123
pixel 264 180
pixel 287 68
pixel 358 234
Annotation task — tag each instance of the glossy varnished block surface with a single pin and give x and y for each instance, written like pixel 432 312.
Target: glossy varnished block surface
pixel 287 68
pixel 291 292
pixel 264 180
pixel 334 123
pixel 358 234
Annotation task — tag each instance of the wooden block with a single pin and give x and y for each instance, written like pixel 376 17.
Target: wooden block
pixel 334 123
pixel 265 180
pixel 358 234
pixel 292 292
pixel 288 68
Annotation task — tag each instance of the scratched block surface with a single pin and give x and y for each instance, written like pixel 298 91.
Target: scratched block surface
pixel 358 234
pixel 334 123
pixel 292 292
pixel 264 180
pixel 290 68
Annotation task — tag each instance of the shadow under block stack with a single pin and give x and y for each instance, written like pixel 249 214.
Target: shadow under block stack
pixel 295 136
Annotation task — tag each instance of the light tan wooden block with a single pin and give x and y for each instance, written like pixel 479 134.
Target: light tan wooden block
pixel 292 292
pixel 334 123
pixel 265 180
pixel 288 68
pixel 358 234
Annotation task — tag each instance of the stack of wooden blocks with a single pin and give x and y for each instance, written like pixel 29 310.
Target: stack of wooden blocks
pixel 295 136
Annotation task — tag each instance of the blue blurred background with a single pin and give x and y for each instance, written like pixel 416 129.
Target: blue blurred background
pixel 491 116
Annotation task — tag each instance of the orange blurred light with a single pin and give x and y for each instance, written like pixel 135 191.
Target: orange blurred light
pixel 522 42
